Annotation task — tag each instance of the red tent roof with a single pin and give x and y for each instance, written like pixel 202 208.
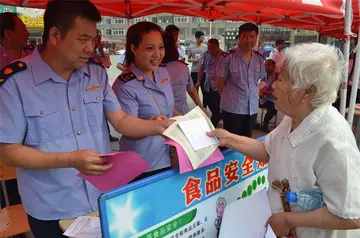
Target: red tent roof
pixel 322 15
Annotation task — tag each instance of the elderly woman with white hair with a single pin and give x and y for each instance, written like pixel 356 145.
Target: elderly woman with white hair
pixel 313 147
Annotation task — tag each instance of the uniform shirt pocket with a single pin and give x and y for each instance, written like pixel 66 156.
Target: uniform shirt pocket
pixel 94 108
pixel 43 122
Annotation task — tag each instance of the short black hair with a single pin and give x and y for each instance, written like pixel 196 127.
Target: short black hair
pixel 237 37
pixel 247 27
pixel 199 34
pixel 7 20
pixel 172 28
pixel 279 42
pixel 134 37
pixel 214 42
pixel 62 15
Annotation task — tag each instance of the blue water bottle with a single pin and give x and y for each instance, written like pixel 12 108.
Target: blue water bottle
pixel 306 199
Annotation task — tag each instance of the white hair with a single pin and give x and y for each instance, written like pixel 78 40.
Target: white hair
pixel 318 65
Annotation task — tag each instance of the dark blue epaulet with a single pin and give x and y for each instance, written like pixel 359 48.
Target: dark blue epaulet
pixel 94 61
pixel 30 47
pixel 229 52
pixel 10 70
pixel 162 65
pixel 258 53
pixel 127 77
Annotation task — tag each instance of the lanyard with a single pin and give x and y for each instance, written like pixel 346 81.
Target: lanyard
pixel 142 82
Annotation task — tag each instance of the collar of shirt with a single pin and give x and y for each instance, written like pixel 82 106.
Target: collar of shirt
pixel 148 83
pixel 304 129
pixel 43 72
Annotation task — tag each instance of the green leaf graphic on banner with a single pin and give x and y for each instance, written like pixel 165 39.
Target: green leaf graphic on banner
pixel 252 187
pixel 171 226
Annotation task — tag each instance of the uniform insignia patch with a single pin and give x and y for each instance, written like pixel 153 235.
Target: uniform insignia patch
pixel 11 69
pixel 30 47
pixel 164 80
pixel 127 77
pixel 92 88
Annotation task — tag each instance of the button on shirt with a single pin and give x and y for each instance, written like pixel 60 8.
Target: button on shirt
pixel 181 82
pixel 143 98
pixel 320 154
pixel 6 58
pixel 240 94
pixel 212 66
pixel 41 110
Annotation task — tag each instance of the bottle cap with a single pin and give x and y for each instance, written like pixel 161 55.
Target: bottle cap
pixel 291 197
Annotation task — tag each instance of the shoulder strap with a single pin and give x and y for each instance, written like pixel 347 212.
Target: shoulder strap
pixel 11 69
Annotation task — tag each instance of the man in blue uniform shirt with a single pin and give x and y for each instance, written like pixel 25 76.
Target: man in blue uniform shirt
pixel 54 108
pixel 210 62
pixel 13 39
pixel 241 70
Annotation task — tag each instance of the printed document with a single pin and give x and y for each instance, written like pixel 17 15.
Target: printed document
pixel 175 133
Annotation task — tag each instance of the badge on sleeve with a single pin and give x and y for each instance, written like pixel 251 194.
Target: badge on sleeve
pixel 11 69
pixel 127 77
pixel 164 80
pixel 30 47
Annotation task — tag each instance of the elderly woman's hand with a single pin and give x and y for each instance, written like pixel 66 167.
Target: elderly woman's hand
pixel 280 224
pixel 221 134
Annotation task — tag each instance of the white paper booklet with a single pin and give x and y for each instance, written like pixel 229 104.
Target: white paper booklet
pixel 240 219
pixel 175 133
pixel 85 227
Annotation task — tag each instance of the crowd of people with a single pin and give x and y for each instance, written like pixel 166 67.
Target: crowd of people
pixel 56 103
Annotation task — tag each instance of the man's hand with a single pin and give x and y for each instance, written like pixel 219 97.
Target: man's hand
pixel 221 134
pixel 159 118
pixel 279 223
pixel 88 162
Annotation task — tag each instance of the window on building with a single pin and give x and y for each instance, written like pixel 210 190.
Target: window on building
pixel 300 31
pixel 181 19
pixel 193 31
pixel 117 20
pixel 206 30
pixel 183 31
pixel 108 32
pixel 221 31
pixel 266 30
pixel 108 21
pixel 135 20
pixel 202 20
pixel 154 20
pixel 118 31
pixel 194 19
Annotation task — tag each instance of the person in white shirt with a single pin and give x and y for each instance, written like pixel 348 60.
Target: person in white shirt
pixel 276 54
pixel 313 147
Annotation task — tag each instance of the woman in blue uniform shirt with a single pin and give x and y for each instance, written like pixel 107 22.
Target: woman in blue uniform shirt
pixel 181 80
pixel 144 90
